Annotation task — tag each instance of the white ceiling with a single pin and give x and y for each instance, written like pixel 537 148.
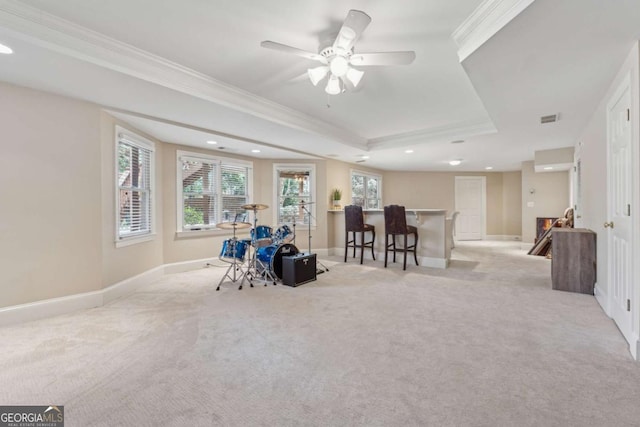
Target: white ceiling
pixel 183 71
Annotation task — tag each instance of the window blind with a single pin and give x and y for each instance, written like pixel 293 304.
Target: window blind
pixel 234 190
pixel 134 188
pixel 199 193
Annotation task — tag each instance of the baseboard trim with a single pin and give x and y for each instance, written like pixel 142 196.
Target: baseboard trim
pixel 602 298
pixel 504 237
pixel 433 262
pixel 50 307
pixel 184 266
pixel 130 285
pixel 635 347
pixel 68 304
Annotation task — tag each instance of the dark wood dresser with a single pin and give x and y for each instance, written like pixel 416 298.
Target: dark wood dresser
pixel 573 260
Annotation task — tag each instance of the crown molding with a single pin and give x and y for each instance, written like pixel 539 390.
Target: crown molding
pixel 449 132
pixel 51 32
pixel 488 18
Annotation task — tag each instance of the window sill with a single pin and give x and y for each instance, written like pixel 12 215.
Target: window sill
pixel 195 234
pixel 128 241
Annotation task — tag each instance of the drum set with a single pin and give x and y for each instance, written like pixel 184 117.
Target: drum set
pixel 258 257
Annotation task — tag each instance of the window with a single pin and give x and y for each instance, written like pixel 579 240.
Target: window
pixel 134 184
pixel 211 190
pixel 295 185
pixel 366 190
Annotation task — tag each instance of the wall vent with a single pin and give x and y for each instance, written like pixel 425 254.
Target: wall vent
pixel 549 119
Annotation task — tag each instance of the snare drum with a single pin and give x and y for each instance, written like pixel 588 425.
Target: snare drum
pixel 283 235
pixel 233 250
pixel 271 257
pixel 261 236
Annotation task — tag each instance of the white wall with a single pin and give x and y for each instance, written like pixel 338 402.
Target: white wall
pixel 50 191
pixel 436 190
pixel 548 192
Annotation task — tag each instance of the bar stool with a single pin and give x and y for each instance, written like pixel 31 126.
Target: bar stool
pixel 354 223
pixel 395 224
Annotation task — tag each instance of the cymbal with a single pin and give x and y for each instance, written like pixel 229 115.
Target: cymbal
pixel 303 203
pixel 233 225
pixel 254 207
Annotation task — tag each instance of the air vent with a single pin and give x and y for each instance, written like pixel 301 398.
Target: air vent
pixel 550 119
pixel 360 161
pixel 222 148
pixel 458 141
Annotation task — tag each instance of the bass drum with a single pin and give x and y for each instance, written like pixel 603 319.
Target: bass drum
pixel 271 257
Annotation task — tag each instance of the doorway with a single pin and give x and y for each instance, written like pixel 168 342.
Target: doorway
pixel 470 201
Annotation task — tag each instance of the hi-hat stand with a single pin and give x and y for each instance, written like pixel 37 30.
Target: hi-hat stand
pixel 309 218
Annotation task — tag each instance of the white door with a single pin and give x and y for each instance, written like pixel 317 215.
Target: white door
pixel 619 237
pixel 470 202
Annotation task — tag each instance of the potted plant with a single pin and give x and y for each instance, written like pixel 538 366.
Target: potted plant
pixel 336 196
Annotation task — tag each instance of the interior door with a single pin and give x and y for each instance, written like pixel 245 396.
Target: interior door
pixel 619 238
pixel 470 202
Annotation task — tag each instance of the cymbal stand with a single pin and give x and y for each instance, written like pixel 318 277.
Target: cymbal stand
pixel 235 265
pixel 294 230
pixel 309 217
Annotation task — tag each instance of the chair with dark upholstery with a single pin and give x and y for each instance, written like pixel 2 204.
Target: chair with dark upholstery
pixel 354 223
pixel 395 224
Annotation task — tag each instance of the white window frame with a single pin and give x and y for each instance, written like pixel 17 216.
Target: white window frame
pixel 302 167
pixel 125 135
pixel 366 176
pixel 219 161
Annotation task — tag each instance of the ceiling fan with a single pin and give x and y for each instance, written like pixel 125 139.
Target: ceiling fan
pixel 338 59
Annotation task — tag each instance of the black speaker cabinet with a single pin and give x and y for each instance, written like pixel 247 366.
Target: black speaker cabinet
pixel 298 269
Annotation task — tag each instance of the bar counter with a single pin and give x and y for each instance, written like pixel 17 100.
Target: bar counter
pixel 434 231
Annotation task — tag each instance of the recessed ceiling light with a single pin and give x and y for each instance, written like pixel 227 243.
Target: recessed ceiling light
pixel 408 151
pixel 455 162
pixel 5 49
pixel 548 168
pixel 255 151
pixel 212 142
pixel 489 168
pixel 364 157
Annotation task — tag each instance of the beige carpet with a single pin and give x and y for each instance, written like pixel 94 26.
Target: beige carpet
pixel 483 343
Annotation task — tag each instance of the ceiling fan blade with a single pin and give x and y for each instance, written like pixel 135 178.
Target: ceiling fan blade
pixel 352 28
pixel 383 58
pixel 293 50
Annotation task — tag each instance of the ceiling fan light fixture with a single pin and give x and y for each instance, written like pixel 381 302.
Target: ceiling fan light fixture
pixel 333 86
pixel 5 49
pixel 317 74
pixel 339 66
pixel 354 76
